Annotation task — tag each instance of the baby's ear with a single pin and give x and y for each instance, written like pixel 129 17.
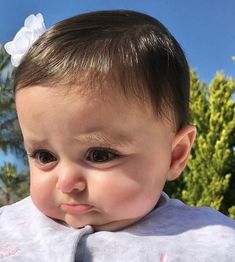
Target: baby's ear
pixel 181 147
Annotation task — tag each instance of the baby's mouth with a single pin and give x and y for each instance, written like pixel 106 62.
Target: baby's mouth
pixel 76 209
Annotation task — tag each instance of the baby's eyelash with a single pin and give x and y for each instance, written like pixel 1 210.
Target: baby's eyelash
pixel 105 149
pixel 38 156
pixel 98 155
pixel 102 155
pixel 34 152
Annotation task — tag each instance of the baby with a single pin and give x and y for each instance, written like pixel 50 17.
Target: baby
pixel 102 100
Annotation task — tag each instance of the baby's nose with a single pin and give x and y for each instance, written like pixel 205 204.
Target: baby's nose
pixel 70 179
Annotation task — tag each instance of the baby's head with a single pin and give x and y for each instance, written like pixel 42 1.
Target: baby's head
pixel 102 100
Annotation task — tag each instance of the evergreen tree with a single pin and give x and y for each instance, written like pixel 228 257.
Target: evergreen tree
pixel 210 175
pixel 10 135
pixel 12 184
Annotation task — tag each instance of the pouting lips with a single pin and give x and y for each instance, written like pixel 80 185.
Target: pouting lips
pixel 75 208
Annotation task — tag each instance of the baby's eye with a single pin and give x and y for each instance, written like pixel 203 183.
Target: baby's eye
pixel 101 155
pixel 43 157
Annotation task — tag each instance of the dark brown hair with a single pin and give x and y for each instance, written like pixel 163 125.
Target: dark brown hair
pixel 133 50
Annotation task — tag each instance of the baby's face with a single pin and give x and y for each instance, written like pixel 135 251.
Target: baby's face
pixel 93 162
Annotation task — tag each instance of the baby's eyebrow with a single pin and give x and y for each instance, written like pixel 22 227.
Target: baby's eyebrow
pixel 31 144
pixel 96 138
pixel 116 139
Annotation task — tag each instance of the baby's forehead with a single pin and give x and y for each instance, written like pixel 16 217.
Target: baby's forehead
pixel 54 111
pixel 94 95
pixel 105 90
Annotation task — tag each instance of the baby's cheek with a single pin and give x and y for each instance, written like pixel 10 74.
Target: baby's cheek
pixel 46 203
pixel 43 194
pixel 39 187
pixel 140 204
pixel 125 198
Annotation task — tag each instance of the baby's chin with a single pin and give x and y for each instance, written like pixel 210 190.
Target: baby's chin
pixel 106 226
pixel 93 218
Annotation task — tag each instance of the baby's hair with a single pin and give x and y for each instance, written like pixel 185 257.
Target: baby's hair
pixel 128 51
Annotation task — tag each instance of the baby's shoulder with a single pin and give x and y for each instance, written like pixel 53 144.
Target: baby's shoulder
pixel 197 216
pixel 15 217
pixel 23 229
pixel 16 210
pixel 175 216
pixel 14 220
pixel 173 231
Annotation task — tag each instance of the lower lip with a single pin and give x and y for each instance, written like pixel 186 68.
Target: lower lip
pixel 76 209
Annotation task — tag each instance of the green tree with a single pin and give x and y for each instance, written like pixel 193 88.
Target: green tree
pixel 210 175
pixel 12 184
pixel 10 135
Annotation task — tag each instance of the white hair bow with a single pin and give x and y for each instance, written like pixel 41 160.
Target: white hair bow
pixel 33 28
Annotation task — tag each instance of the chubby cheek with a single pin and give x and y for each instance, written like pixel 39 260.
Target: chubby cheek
pixel 42 193
pixel 125 197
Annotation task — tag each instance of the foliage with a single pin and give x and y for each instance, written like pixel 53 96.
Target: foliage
pixel 210 175
pixel 9 129
pixel 13 185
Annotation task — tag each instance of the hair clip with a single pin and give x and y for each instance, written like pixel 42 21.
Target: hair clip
pixel 33 28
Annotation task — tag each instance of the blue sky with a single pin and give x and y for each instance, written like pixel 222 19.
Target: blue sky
pixel 204 28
